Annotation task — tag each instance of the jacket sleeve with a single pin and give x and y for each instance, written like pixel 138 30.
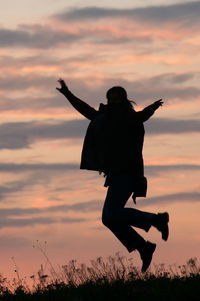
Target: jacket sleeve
pixel 146 113
pixel 81 106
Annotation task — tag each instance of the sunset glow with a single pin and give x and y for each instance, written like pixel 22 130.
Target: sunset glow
pixel 153 52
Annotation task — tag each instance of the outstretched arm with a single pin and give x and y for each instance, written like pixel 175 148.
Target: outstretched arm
pixel 147 112
pixel 81 106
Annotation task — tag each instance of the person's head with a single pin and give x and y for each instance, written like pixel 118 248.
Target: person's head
pixel 116 95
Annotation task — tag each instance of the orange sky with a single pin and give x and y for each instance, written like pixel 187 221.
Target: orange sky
pixel 153 52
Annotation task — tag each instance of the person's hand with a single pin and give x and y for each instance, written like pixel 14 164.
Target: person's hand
pixel 63 86
pixel 157 104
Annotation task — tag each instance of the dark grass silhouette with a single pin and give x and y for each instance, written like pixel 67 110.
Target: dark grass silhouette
pixel 114 278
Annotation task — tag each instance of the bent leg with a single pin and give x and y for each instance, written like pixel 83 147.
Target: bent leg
pixel 135 218
pixel 119 219
pixel 118 194
pixel 125 233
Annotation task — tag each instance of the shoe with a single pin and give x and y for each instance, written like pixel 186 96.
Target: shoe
pixel 161 224
pixel 146 255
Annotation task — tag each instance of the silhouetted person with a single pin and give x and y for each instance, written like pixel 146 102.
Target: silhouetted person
pixel 113 145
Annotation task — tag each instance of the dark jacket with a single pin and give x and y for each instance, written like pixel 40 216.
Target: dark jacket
pixel 114 141
pixel 114 138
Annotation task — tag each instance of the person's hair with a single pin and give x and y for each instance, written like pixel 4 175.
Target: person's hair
pixel 122 93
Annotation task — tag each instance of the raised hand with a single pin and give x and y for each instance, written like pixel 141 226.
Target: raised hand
pixel 63 86
pixel 157 104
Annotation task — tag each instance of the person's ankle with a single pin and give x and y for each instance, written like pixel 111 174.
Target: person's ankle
pixel 141 248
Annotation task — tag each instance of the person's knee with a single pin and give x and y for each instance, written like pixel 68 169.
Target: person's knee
pixel 105 219
pixel 109 218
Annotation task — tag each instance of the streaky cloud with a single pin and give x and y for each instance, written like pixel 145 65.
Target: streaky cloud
pixel 171 86
pixel 171 198
pixel 172 126
pixel 70 167
pixel 19 135
pixel 7 214
pixel 41 37
pixel 155 170
pixel 187 13
pixel 15 167
pixel 27 222
pixel 89 206
pixel 18 186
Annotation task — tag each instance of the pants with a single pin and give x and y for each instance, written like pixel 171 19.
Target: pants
pixel 119 219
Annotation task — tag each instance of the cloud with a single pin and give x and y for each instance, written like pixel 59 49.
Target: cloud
pixel 26 222
pixel 46 37
pixel 23 217
pixel 33 215
pixel 89 206
pixel 13 217
pixel 15 186
pixel 187 13
pixel 171 198
pixel 171 86
pixel 29 179
pixel 19 186
pixel 172 78
pixel 154 170
pixel 14 167
pixel 68 167
pixel 167 86
pixel 18 82
pixel 43 176
pixel 22 134
pixel 55 179
pixel 8 61
pixel 77 29
pixel 19 135
pixel 169 126
pixel 34 105
pixel 36 36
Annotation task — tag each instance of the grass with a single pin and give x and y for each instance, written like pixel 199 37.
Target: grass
pixel 115 278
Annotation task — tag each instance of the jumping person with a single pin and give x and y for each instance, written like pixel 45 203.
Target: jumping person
pixel 113 146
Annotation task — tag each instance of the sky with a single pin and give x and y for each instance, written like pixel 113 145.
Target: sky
pixel 151 48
